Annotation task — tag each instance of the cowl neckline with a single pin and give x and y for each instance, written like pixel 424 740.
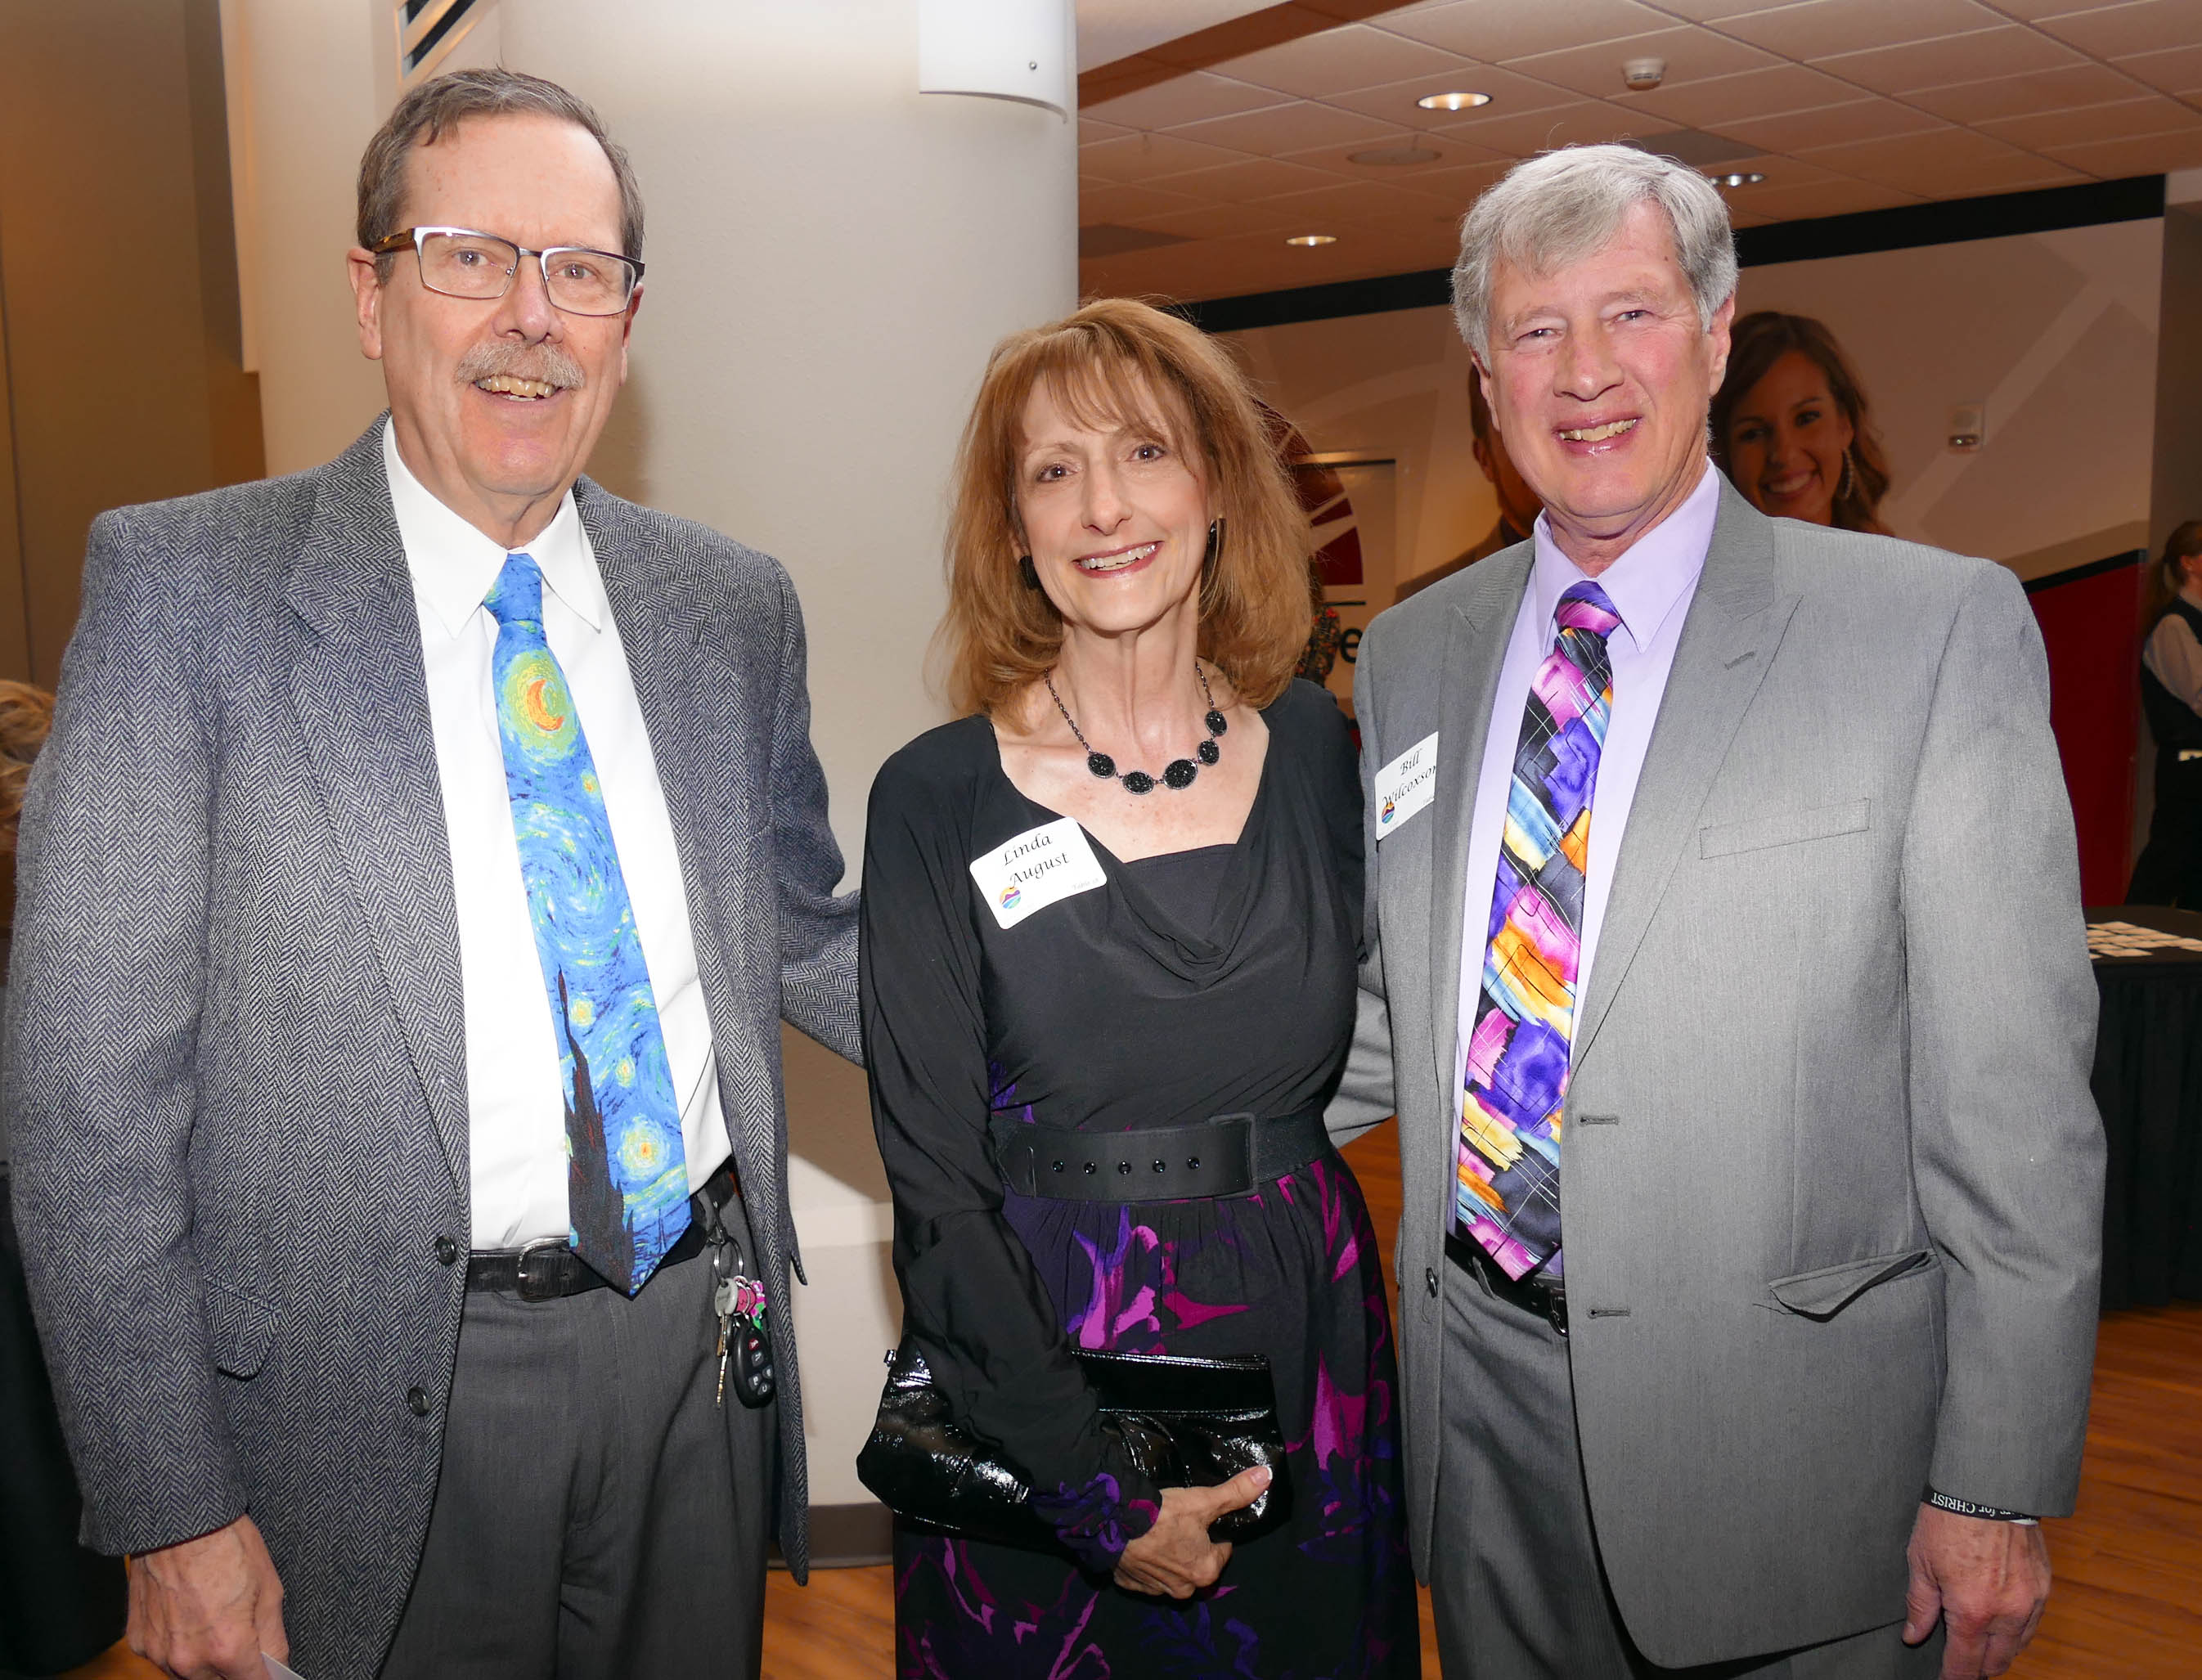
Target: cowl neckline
pixel 1133 914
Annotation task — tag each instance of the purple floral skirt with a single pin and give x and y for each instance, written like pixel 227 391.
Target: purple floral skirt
pixel 1329 1594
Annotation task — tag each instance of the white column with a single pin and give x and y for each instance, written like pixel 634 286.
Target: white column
pixel 831 255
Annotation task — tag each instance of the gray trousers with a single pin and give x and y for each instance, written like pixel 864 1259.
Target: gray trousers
pixel 596 1516
pixel 1518 1588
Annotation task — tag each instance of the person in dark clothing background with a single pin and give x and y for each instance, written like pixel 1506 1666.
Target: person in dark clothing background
pixel 2170 871
pixel 1518 505
pixel 59 1605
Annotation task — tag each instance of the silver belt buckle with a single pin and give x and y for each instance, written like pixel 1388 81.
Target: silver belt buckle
pixel 545 1283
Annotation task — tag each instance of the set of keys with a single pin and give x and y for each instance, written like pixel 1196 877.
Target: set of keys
pixel 744 1344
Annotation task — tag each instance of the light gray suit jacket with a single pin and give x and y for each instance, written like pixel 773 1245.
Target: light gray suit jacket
pixel 1831 1178
pixel 239 1067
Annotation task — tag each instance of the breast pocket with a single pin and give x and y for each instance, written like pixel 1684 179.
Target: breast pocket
pixel 1788 828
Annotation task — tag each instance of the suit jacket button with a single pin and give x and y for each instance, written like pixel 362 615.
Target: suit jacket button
pixel 446 1250
pixel 1430 1281
pixel 417 1399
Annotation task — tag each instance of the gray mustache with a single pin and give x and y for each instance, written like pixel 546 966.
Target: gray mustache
pixel 544 362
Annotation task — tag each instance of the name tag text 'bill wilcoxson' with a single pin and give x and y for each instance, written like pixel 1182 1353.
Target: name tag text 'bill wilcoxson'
pixel 1405 786
pixel 1040 867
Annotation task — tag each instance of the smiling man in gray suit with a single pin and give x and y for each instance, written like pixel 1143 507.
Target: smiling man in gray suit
pixel 1726 973
pixel 426 851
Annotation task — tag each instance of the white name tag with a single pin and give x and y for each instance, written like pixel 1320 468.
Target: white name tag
pixel 1040 867
pixel 1405 785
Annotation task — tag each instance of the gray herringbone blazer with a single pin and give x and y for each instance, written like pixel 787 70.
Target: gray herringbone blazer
pixel 1831 1179
pixel 238 1068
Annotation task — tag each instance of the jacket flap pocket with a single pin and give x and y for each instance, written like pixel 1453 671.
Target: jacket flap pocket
pixel 1826 1292
pixel 1788 828
pixel 239 1327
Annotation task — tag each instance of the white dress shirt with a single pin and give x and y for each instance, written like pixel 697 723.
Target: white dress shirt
pixel 516 1106
pixel 1651 587
pixel 2172 655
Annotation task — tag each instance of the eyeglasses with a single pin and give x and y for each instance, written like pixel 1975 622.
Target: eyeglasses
pixel 459 263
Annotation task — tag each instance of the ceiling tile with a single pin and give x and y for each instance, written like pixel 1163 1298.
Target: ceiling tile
pixel 1495 31
pixel 1142 156
pixel 1457 188
pixel 1124 203
pixel 1338 60
pixel 1709 11
pixel 1282 128
pixel 2018 95
pixel 1839 197
pixel 2115 159
pixel 2178 71
pixel 1519 136
pixel 1186 98
pixel 1963 179
pixel 1452 151
pixel 1895 162
pixel 1831 125
pixel 1090 131
pixel 1215 221
pixel 2008 52
pixel 1822 28
pixel 1691 55
pixel 1779 171
pixel 2143 26
pixel 1755 93
pixel 1251 178
pixel 2027 11
pixel 1350 203
pixel 1394 102
pixel 2127 120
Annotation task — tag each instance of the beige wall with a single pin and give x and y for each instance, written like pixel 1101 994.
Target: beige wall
pixel 117 280
pixel 2058 332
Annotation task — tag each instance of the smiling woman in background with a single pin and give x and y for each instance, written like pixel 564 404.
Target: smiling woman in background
pixel 1115 910
pixel 1791 427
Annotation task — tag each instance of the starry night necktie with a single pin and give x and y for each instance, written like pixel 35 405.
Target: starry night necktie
pixel 1507 1196
pixel 627 1177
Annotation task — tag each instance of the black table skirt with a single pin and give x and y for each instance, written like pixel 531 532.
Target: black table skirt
pixel 2148 1083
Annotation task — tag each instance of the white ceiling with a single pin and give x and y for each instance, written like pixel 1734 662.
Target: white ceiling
pixel 1844 105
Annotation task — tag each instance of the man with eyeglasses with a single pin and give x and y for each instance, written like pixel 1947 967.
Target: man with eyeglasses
pixel 427 850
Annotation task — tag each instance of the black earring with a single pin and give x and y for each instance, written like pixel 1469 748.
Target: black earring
pixel 1031 572
pixel 1214 548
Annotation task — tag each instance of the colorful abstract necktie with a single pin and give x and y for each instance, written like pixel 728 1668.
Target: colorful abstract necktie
pixel 627 1177
pixel 1507 1199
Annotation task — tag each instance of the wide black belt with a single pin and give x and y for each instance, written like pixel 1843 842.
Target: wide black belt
pixel 1549 1301
pixel 1231 1155
pixel 549 1270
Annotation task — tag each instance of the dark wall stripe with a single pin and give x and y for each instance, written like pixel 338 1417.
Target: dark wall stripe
pixel 1995 217
pixel 2115 562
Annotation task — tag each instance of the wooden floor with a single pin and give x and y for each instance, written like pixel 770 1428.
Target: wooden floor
pixel 2128 1604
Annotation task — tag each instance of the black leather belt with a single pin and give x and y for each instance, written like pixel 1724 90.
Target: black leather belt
pixel 1548 1301
pixel 549 1270
pixel 1232 1155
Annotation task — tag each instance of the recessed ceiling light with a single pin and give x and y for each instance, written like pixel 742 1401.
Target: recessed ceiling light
pixel 1391 156
pixel 1738 178
pixel 1452 102
pixel 1312 239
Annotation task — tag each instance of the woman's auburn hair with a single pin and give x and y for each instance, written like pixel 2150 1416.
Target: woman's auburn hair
pixel 1756 343
pixel 1118 361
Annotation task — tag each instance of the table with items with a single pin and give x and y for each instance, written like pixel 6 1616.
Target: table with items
pixel 2148 1083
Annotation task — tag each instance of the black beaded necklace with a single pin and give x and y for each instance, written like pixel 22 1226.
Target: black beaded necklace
pixel 1179 772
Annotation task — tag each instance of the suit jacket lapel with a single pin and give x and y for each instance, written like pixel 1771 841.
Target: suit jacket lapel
pixel 1735 624
pixel 1475 651
pixel 360 692
pixel 665 631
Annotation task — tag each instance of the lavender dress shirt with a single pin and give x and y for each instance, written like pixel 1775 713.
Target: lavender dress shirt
pixel 1651 587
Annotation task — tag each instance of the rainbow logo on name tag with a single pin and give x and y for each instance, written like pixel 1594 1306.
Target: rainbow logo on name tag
pixel 1010 895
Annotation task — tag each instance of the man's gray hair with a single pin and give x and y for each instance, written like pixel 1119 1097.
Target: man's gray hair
pixel 1558 208
pixel 431 110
